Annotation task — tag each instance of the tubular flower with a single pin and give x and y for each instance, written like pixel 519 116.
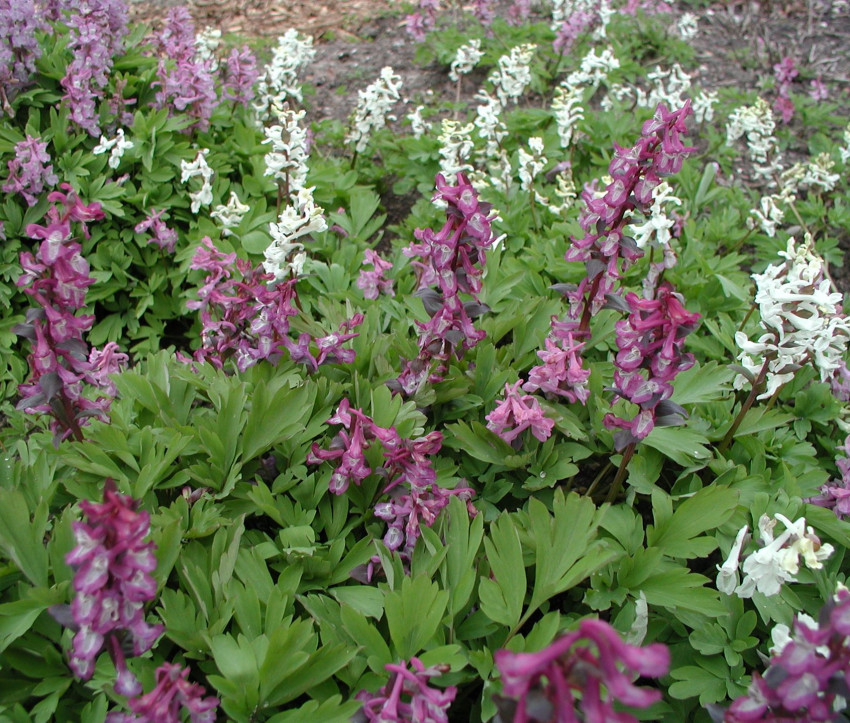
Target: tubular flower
pixel 516 413
pixel 580 676
pixel 408 697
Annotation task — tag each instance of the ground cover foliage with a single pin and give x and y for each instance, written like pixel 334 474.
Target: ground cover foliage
pixel 561 439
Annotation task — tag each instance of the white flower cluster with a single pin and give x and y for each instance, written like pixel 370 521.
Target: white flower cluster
pixel 776 562
pixel 801 318
pixel 466 59
pixel 231 215
pixel 771 211
pixel 285 255
pixel 655 231
pixel 287 160
pixel 199 167
pixel 594 69
pixel 703 104
pixel 455 146
pixel 531 163
pixel 815 173
pixel 279 81
pixel 373 107
pixel 568 111
pixel 489 122
pixel 780 636
pixel 206 43
pixel 513 74
pixel 116 145
pixel 418 125
pixel 565 189
pixel 687 26
pixel 757 124
pixel 563 10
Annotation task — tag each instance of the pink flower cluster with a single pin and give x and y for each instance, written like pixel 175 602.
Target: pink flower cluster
pixel 807 678
pixel 173 693
pixel 162 235
pixel 373 282
pixel 561 374
pixel 30 171
pixel 570 30
pixel 408 697
pixel 97 34
pixel 329 349
pixel 567 682
pixel 112 583
pixel 516 413
pixel 19 48
pixel 405 463
pixel 240 75
pixel 650 356
pixel 418 24
pixel 243 317
pixel 835 494
pixel 62 365
pixel 186 84
pixel 453 260
pixel 784 71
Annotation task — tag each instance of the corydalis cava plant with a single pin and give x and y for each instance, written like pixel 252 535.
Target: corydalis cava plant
pixel 453 261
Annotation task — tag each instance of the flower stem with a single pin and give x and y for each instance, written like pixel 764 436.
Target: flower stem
pixel 617 484
pixel 748 402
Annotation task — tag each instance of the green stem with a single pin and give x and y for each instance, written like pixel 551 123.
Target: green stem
pixel 745 408
pixel 617 484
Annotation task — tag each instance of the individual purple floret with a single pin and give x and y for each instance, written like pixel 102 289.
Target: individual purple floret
pixel 173 693
pixel 62 365
pixel 97 30
pixel 373 282
pixel 31 170
pixel 186 83
pixel 408 697
pixel 162 236
pixel 240 75
pixel 579 677
pixel 112 582
pixel 650 356
pixel 516 413
pixel 329 347
pixel 246 318
pixel 453 260
pixel 19 48
pixel 807 680
pixel 835 494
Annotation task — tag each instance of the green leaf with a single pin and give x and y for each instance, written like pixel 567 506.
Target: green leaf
pixel 414 613
pixel 22 538
pixel 502 597
pixel 683 445
pixel 702 383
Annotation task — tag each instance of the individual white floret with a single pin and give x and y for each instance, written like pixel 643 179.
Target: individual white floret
pixel 727 575
pixel 531 163
pixel 373 108
pixel 279 81
pixel 199 167
pixel 568 111
pixel 466 58
pixel 418 125
pixel 687 26
pixel 231 215
pixel 285 255
pixel 286 162
pixel 513 73
pixel 116 146
pixel 455 146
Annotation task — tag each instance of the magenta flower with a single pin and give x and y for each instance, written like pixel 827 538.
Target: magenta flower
pixel 561 373
pixel 806 677
pixel 112 582
pixel 650 356
pixel 373 282
pixel 162 235
pixel 240 75
pixel 30 171
pixel 172 693
pixel 408 697
pixel 580 677
pixel 516 413
pixel 835 494
pixel 19 48
pixel 453 260
pixel 349 447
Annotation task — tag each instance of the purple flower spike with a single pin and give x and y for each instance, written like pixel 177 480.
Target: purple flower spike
pixel 112 583
pixel 580 677
pixel 30 171
pixel 373 282
pixel 19 47
pixel 240 75
pixel 408 697
pixel 807 677
pixel 516 413
pixel 172 693
pixel 162 235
